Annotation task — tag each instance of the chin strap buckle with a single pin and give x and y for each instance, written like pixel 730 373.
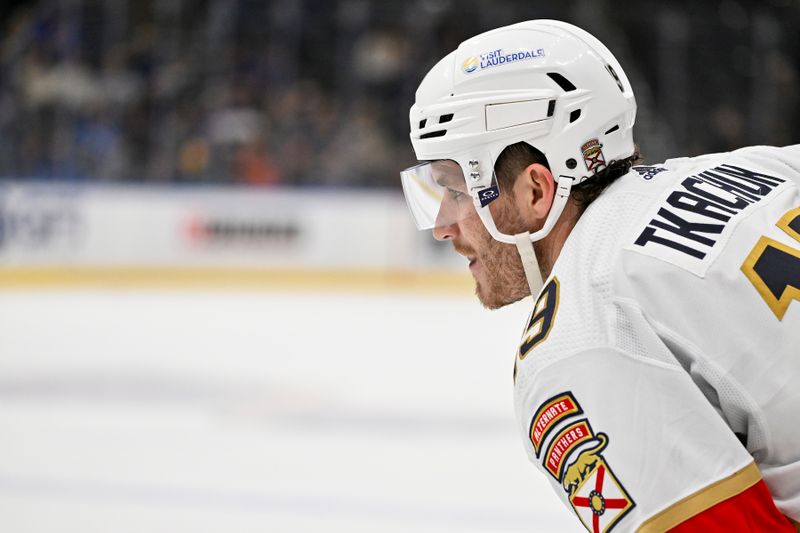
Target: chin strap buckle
pixel 564 185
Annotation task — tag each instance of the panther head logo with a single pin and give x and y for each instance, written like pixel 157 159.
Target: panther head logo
pixel 584 465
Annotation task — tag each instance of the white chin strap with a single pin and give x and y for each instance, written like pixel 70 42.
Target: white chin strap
pixel 529 262
pixel 524 241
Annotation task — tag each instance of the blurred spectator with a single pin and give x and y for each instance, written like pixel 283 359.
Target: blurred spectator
pixel 306 92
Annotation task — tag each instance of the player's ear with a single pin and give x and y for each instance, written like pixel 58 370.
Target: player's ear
pixel 534 189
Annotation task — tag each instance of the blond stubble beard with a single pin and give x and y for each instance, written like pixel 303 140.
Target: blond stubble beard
pixel 505 282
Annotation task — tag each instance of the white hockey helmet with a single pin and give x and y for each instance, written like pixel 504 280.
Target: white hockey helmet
pixel 544 82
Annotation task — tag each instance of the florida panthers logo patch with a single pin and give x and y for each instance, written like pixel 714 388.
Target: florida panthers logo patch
pixel 593 156
pixel 596 495
pixel 574 457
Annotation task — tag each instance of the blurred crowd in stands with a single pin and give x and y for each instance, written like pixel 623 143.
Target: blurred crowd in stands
pixel 316 92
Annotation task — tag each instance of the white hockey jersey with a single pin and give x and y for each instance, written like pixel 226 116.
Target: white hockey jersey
pixel 659 372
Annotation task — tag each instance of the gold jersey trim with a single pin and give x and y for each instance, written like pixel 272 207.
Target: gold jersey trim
pixel 703 499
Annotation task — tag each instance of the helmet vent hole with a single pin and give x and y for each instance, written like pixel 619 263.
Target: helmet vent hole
pixel 445 118
pixel 433 134
pixel 551 108
pixel 562 82
pixel 613 129
pixel 422 123
pixel 575 115
pixel 614 75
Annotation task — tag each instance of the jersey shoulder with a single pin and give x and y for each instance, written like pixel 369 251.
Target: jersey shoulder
pixel 660 227
pixel 703 200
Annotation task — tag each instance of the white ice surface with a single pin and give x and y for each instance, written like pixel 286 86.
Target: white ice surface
pixel 177 411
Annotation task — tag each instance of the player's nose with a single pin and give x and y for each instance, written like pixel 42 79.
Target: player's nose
pixel 445 232
pixel 445 228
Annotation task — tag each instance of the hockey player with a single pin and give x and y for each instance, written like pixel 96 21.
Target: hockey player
pixel 657 381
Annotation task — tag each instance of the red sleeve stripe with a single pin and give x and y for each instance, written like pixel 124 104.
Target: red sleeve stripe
pixel 740 502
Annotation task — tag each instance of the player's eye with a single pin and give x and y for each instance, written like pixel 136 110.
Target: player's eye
pixel 455 194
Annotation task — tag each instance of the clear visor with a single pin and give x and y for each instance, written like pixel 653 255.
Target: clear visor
pixel 437 194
